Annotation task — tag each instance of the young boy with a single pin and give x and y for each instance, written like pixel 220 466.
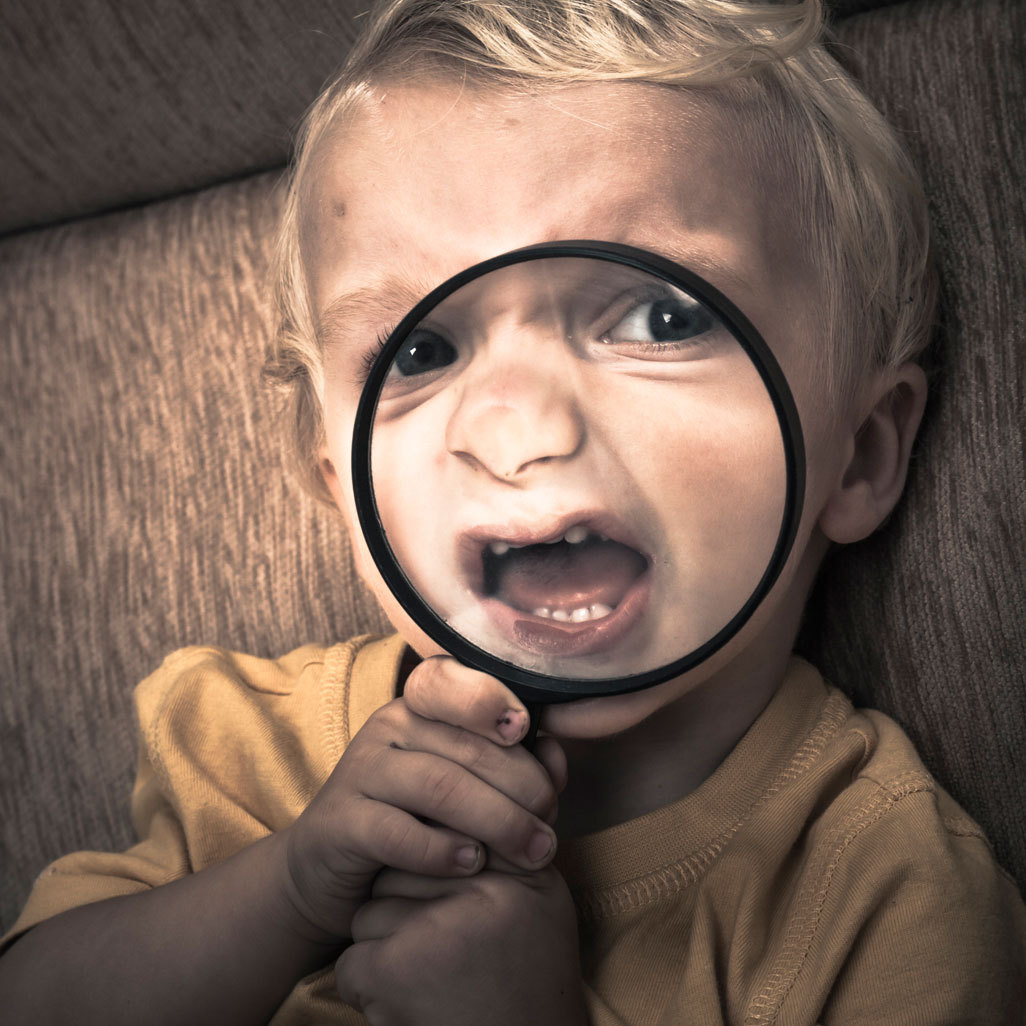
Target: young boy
pixel 355 834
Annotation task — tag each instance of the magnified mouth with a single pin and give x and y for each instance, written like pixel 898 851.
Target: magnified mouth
pixel 576 592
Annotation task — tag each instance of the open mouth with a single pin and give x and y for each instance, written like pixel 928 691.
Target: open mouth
pixel 576 592
pixel 580 577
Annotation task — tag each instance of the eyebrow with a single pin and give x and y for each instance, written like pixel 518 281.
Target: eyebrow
pixel 385 301
pixel 382 304
pixel 720 273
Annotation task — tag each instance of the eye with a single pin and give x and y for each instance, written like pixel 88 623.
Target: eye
pixel 423 352
pixel 664 320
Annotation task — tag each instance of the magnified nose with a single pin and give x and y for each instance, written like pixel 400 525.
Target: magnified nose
pixel 510 435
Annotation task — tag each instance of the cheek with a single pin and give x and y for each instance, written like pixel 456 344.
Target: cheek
pixel 409 484
pixel 715 469
pixel 365 565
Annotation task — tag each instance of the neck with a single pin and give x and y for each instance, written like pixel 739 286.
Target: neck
pixel 668 755
pixel 676 748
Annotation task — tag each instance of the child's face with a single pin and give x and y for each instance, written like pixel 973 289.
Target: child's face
pixel 423 182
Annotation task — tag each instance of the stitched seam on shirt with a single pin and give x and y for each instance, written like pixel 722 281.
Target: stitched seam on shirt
pixel 335 685
pixel 675 876
pixel 155 753
pixel 960 828
pixel 802 928
pixel 867 752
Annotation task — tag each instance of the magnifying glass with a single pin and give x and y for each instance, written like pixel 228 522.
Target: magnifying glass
pixel 579 468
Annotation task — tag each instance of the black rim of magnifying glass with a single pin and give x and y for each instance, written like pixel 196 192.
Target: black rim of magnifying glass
pixel 529 685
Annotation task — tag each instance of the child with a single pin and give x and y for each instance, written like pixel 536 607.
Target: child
pixel 358 828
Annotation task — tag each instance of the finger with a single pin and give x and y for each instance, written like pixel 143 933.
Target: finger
pixel 390 836
pixel 549 752
pixel 497 864
pixel 430 786
pixel 440 688
pixel 514 771
pixel 355 971
pixel 381 917
pixel 415 888
pixel 398 883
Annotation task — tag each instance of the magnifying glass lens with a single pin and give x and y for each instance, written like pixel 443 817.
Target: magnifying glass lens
pixel 579 470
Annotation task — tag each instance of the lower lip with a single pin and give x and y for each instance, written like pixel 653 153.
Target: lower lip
pixel 543 636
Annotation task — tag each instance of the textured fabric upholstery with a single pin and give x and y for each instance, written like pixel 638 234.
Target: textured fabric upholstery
pixel 143 504
pixel 926 620
pixel 105 103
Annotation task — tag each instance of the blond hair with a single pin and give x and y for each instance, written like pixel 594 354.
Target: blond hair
pixel 859 210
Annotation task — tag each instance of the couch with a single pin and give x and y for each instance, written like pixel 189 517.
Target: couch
pixel 143 501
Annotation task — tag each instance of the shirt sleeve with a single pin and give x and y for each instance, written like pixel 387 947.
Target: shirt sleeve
pixel 944 940
pixel 599 1012
pixel 231 748
pixel 160 856
pixel 87 876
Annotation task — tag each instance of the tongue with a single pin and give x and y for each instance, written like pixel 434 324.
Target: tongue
pixel 565 576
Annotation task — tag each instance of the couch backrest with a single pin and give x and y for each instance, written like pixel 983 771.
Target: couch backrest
pixel 143 504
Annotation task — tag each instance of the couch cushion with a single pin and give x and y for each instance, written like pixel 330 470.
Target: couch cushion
pixel 143 504
pixel 105 103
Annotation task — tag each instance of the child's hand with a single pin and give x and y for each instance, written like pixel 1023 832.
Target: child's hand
pixel 499 948
pixel 431 779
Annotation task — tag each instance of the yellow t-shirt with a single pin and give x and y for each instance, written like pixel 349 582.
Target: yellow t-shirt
pixel 820 875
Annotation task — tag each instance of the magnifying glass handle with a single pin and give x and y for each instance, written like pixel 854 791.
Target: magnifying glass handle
pixel 534 711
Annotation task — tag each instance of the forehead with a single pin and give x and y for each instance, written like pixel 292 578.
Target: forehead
pixel 415 183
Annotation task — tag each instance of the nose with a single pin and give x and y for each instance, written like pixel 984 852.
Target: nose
pixel 510 425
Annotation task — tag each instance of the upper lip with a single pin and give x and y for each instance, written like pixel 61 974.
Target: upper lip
pixel 472 542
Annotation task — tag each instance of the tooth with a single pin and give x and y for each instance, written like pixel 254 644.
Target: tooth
pixel 580 615
pixel 599 610
pixel 500 548
pixel 543 611
pixel 561 614
pixel 576 534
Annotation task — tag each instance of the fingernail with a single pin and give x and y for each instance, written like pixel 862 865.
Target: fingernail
pixel 468 856
pixel 512 724
pixel 540 846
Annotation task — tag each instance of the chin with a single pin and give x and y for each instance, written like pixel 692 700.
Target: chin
pixel 595 718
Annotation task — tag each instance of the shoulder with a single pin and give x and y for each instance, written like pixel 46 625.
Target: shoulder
pixel 222 692
pixel 900 894
pixel 895 807
pixel 220 728
pixel 896 825
pixel 213 684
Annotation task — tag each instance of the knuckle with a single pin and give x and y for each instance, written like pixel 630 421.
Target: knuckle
pixel 542 796
pixel 472 703
pixel 424 680
pixel 398 838
pixel 513 829
pixel 442 787
pixel 359 920
pixel 470 750
pixel 389 718
pixel 377 719
pixel 374 766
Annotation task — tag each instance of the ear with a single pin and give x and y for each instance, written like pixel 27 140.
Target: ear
pixel 331 479
pixel 877 455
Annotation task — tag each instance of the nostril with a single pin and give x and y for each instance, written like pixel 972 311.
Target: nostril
pixel 507 439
